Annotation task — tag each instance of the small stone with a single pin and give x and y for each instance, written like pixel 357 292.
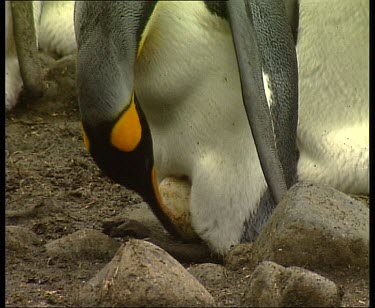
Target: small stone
pixel 86 244
pixel 272 285
pixel 308 289
pixel 142 274
pixel 20 239
pixel 264 286
pixel 208 274
pixel 239 256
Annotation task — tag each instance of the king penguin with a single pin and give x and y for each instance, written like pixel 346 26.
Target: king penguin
pixel 54 32
pixel 167 90
pixel 13 79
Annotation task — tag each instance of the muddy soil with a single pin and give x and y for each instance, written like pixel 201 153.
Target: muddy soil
pixel 54 188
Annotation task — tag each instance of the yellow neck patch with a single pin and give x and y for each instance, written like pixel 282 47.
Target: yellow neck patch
pixel 156 188
pixel 149 24
pixel 127 132
pixel 85 138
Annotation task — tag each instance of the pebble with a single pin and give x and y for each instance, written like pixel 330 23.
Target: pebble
pixel 272 285
pixel 86 244
pixel 142 274
pixel 19 239
pixel 208 274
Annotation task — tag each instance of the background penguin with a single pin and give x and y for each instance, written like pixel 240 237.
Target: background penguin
pixel 333 131
pixel 54 28
pixel 189 90
pixel 13 79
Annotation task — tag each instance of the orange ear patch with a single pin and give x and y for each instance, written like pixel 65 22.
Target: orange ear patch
pixel 127 132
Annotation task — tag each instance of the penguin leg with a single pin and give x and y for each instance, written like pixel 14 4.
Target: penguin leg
pixel 13 80
pixel 25 38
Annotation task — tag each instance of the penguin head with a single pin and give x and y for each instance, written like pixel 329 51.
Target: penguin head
pixel 109 38
pixel 114 127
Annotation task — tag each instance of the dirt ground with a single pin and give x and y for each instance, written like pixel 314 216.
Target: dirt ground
pixel 54 188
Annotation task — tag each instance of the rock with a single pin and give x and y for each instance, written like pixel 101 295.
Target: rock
pixel 239 256
pixel 65 66
pixel 316 227
pixel 272 285
pixel 308 289
pixel 82 245
pixel 142 274
pixel 19 239
pixel 208 274
pixel 264 286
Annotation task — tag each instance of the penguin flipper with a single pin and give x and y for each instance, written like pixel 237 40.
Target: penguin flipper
pixel 277 47
pixel 250 62
pixel 292 13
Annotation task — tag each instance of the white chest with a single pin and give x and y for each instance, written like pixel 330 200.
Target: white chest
pixel 188 85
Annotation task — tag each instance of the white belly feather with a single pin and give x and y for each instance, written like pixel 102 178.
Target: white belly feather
pixel 333 131
pixel 57 28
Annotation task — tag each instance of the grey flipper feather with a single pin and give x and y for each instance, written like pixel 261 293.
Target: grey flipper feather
pixel 279 57
pixel 292 13
pixel 247 35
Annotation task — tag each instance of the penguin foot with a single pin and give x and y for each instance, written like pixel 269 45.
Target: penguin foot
pixel 120 227
pixel 189 252
pixel 197 252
